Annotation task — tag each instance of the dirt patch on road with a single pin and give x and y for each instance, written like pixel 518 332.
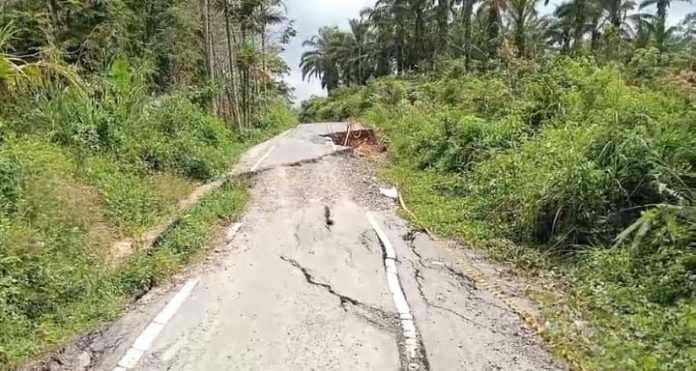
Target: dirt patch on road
pixel 365 142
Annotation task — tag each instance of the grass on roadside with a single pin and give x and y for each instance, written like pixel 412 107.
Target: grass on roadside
pixel 90 291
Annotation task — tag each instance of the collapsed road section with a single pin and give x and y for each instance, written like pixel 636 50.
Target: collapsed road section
pixel 316 276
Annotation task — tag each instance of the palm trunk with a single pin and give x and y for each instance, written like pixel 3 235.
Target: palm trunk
pixel 208 48
pixel 55 18
pixel 660 24
pixel 264 73
pixel 443 22
pixel 219 101
pixel 468 11
pixel 230 55
pixel 519 35
pixel 245 85
pixel 418 55
pixel 579 22
pixel 596 34
pixel 493 29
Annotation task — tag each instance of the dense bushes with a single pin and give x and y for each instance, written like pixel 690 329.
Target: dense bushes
pixel 568 159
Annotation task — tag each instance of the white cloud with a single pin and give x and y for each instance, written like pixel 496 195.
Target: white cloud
pixel 310 15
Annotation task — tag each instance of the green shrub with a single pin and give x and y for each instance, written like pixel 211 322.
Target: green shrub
pixel 10 184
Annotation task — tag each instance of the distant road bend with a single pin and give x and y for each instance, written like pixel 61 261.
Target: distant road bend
pixel 320 274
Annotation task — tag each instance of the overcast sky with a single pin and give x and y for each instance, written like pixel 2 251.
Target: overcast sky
pixel 310 15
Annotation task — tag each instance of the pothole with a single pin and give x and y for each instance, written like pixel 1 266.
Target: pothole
pixel 363 141
pixel 327 218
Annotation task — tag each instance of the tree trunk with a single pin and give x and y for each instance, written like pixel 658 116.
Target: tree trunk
pixel 443 25
pixel 493 30
pixel 245 83
pixel 468 11
pixel 660 32
pixel 219 101
pixel 519 35
pixel 208 48
pixel 579 22
pixel 55 18
pixel 264 73
pixel 231 58
pixel 596 34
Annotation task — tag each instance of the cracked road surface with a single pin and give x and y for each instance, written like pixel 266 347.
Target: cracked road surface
pixel 302 285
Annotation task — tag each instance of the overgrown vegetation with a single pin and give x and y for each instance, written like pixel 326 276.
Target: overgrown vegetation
pixel 579 168
pixel 110 114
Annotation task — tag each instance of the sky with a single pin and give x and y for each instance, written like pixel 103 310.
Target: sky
pixel 310 15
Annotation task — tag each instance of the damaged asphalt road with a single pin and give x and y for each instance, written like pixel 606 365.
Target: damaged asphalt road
pixel 303 285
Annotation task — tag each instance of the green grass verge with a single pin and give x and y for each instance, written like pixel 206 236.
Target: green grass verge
pixel 103 291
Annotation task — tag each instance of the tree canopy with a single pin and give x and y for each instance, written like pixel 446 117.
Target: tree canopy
pixel 400 36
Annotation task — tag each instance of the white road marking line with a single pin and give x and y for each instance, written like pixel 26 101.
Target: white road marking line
pixel 148 336
pixel 232 232
pixel 275 140
pixel 388 247
pixel 407 323
pixel 263 158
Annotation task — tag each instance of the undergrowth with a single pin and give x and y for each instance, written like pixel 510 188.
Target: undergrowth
pixel 566 168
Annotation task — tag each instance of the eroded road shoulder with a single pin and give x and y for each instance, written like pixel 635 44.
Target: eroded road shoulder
pixel 304 284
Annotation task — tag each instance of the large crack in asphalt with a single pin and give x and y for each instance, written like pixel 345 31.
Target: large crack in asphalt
pixel 375 316
pixel 418 275
pixel 367 240
pixel 463 279
pixel 419 278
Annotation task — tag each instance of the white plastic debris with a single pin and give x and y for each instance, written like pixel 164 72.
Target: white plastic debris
pixel 392 193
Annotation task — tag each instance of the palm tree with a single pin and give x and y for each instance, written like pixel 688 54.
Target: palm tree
pixel 617 12
pixel 269 13
pixel 618 29
pixel 320 61
pixel 383 35
pixel 360 48
pixel 521 13
pixel 493 9
pixel 560 32
pixel 443 11
pixel 467 13
pixel 643 25
pixel 579 7
pixel 395 21
pixel 595 16
pixel 575 14
pixel 660 20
